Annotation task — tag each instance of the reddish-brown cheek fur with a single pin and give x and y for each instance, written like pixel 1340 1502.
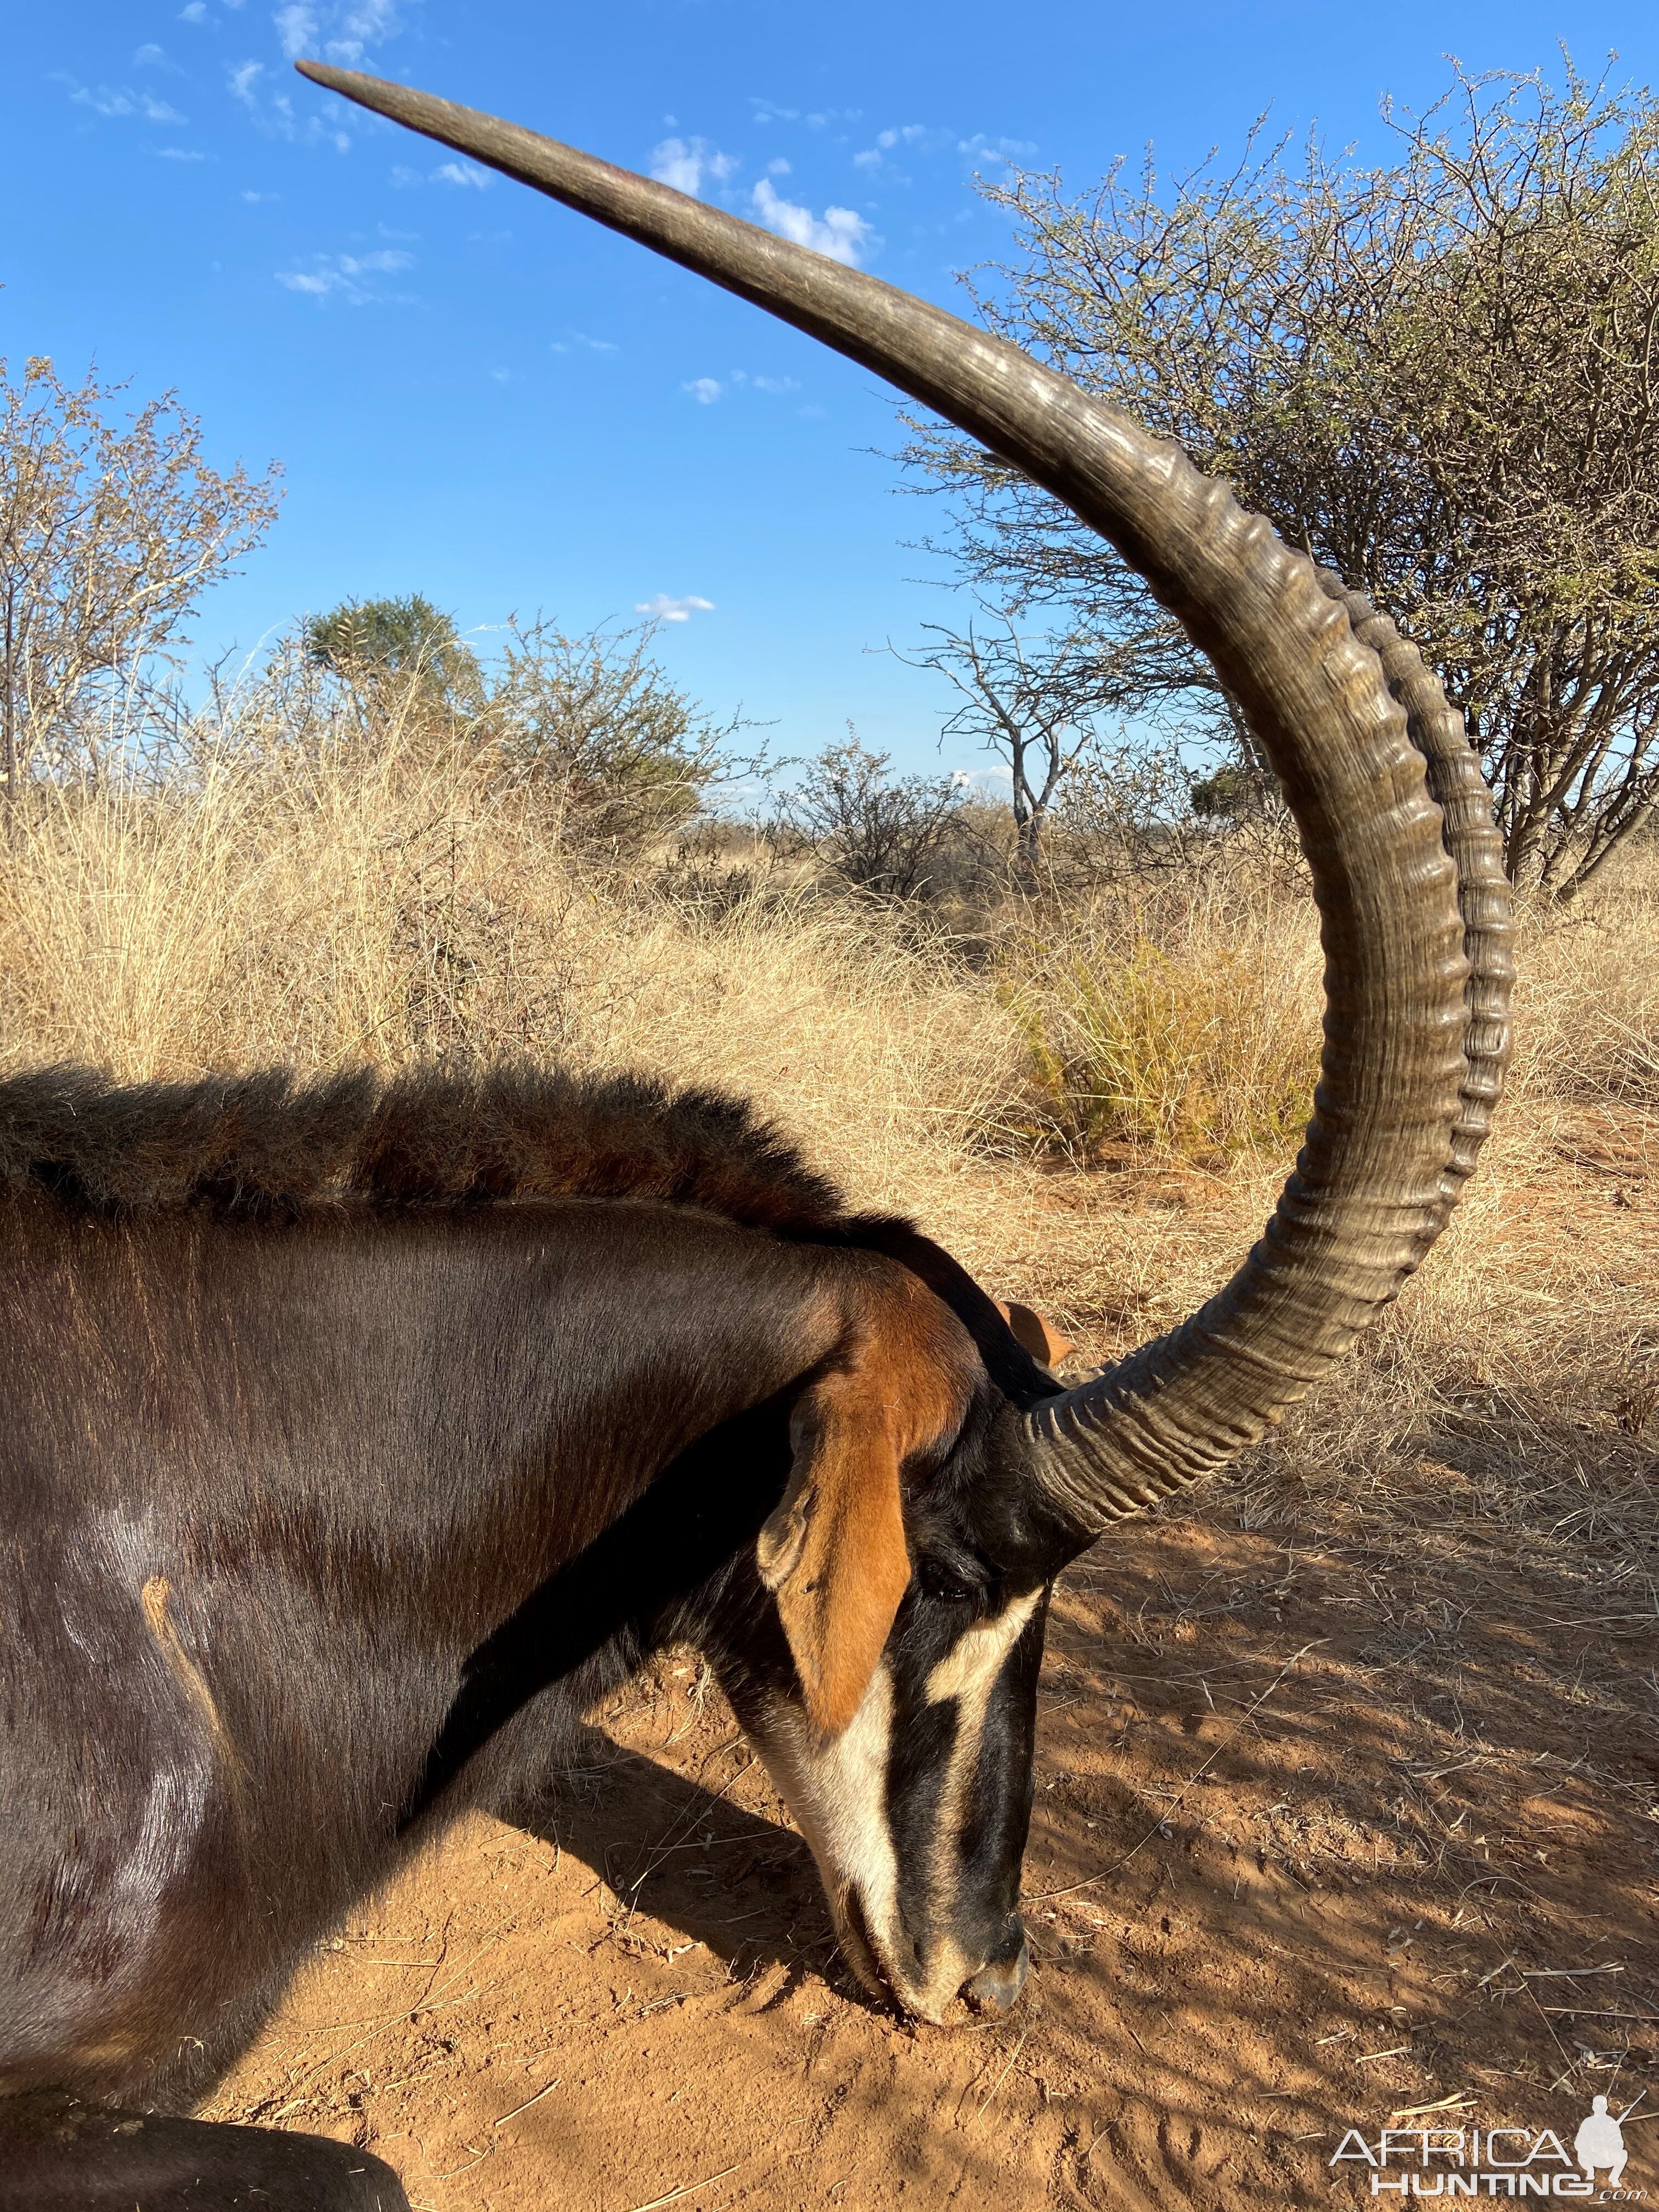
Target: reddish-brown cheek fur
pixel 902 1388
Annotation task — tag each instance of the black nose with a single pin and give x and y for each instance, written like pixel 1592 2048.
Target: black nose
pixel 999 1982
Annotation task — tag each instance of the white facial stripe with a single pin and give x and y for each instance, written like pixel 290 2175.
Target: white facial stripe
pixel 974 1661
pixel 966 1674
pixel 837 1787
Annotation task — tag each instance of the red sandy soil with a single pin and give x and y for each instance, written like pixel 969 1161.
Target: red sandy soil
pixel 1327 1829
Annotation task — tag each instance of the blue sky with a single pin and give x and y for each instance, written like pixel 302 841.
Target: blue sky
pixel 477 396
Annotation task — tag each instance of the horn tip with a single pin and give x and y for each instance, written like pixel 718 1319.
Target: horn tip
pixel 331 79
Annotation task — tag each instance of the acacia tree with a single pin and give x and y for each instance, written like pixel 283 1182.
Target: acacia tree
pixel 1034 700
pixel 1440 376
pixel 368 642
pixel 110 532
pixel 591 719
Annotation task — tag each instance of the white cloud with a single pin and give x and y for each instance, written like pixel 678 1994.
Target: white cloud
pixel 706 390
pixel 343 32
pixel 686 163
pixel 273 110
pixel 768 111
pixel 147 57
pixel 466 174
pixel 913 135
pixel 778 168
pixel 194 12
pixel 741 376
pixel 840 233
pixel 119 99
pixel 296 27
pixel 663 609
pixel 177 154
pixel 371 20
pixel 348 277
pixel 256 200
pixel 996 149
pixel 581 338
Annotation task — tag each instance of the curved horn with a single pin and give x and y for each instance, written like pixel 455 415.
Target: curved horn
pixel 1386 794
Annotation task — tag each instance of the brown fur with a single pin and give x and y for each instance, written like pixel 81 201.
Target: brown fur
pixel 1034 1333
pixel 273 1142
pixel 834 1552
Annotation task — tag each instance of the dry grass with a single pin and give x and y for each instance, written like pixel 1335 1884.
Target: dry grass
pixel 1187 1023
pixel 394 908
pixel 1393 1684
pixel 320 902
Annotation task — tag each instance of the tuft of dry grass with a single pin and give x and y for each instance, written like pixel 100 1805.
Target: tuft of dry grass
pixel 1187 1025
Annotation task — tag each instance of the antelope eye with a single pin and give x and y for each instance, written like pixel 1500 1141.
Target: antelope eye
pixel 946 1585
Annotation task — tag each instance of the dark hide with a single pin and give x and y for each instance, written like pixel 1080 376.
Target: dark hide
pixel 337 1483
pixel 695 1519
pixel 272 1144
pixel 63 2155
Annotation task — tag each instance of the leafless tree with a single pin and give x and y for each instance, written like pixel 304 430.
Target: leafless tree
pixel 110 532
pixel 1439 375
pixel 1035 700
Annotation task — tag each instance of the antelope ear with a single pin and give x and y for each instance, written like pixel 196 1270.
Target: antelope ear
pixel 1034 1335
pixel 833 1552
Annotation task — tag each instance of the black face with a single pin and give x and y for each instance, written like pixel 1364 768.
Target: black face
pixel 917 1813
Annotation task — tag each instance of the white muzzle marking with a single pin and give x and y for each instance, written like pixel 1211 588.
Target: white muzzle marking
pixel 837 1787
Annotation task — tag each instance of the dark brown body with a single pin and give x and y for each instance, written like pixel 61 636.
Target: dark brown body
pixel 348 1454
pixel 265 1489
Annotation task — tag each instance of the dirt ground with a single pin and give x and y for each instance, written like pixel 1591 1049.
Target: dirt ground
pixel 1301 1858
pixel 1340 1819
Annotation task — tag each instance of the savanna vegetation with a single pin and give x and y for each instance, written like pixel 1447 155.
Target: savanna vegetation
pixel 1074 1035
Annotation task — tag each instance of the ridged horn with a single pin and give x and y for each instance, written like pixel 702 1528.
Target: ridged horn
pixel 1386 792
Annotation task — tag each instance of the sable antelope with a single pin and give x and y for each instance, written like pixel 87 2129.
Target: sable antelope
pixel 357 1438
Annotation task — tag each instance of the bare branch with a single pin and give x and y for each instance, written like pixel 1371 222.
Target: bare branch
pixel 109 534
pixel 1440 376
